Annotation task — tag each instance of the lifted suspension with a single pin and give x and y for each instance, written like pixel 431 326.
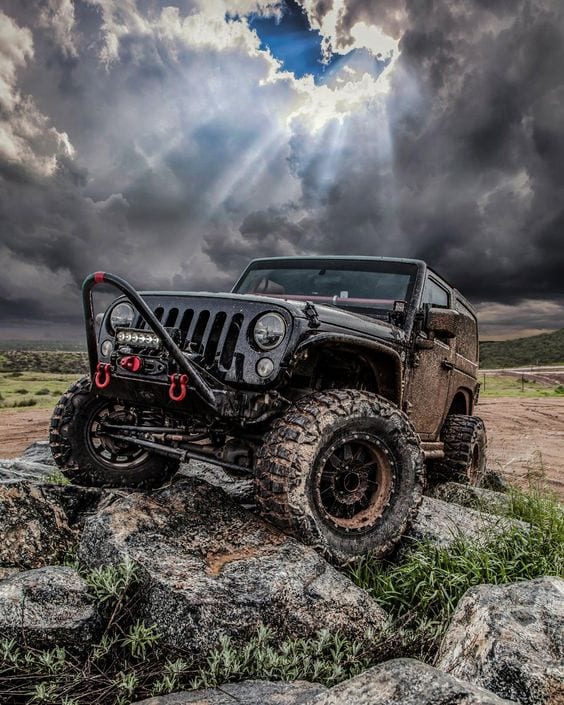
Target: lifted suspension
pixel 183 455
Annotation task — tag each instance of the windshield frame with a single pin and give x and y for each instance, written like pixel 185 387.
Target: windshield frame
pixel 415 268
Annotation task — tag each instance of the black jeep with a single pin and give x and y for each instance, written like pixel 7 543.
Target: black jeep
pixel 331 380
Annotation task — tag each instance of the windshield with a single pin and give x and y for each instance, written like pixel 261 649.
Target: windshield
pixel 365 286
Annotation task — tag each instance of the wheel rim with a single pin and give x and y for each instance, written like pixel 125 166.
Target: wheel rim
pixel 119 455
pixel 353 482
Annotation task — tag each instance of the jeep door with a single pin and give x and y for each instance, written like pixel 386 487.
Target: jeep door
pixel 430 374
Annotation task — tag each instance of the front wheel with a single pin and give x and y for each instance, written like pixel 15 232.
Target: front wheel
pixel 342 470
pixel 87 456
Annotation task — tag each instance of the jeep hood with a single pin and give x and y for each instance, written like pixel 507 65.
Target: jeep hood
pixel 330 317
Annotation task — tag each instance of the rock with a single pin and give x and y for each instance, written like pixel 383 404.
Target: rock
pixel 208 567
pixel 472 497
pixel 494 480
pixel 510 639
pixel 406 682
pixel 246 693
pixel 38 452
pixel 47 607
pixel 17 469
pixel 34 530
pixel 238 488
pixel 443 522
pixel 77 502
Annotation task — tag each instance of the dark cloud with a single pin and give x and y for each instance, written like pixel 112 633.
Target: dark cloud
pixel 473 181
pixel 183 163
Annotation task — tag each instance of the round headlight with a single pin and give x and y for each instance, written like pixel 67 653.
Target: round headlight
pixel 269 331
pixel 265 367
pixel 122 316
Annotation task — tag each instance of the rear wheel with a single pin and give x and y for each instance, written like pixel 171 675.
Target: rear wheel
pixel 465 443
pixel 342 470
pixel 88 456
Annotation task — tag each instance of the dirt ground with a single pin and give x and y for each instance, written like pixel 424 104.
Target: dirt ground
pixel 525 436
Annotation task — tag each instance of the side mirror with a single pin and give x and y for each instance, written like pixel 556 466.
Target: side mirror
pixel 442 322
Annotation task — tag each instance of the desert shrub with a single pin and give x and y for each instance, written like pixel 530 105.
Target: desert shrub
pixel 327 658
pixel 43 392
pixel 44 361
pixel 22 390
pixel 127 662
pixel 24 402
pixel 121 664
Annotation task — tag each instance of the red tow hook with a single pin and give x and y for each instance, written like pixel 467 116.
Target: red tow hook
pixel 102 378
pixel 182 382
pixel 131 363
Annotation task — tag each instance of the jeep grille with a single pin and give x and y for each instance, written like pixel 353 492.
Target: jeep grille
pixel 210 336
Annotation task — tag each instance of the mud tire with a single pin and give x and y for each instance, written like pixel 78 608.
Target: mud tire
pixel 71 451
pixel 465 443
pixel 288 470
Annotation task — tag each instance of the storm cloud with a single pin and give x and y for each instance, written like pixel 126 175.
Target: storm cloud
pixel 163 142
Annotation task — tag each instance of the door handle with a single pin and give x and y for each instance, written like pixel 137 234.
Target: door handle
pixel 447 364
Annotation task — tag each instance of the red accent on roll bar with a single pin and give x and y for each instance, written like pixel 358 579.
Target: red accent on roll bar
pixel 99 277
pixel 103 374
pixel 182 381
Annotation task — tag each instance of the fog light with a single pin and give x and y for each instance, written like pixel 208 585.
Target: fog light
pixel 107 348
pixel 265 367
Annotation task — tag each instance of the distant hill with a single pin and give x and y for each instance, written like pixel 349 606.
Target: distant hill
pixel 544 349
pixel 39 345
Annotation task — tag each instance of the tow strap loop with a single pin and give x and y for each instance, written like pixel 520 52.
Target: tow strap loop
pixel 178 387
pixel 103 373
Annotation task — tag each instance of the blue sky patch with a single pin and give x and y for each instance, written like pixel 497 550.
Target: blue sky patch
pixel 291 40
pixel 297 46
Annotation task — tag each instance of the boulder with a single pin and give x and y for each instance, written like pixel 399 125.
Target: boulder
pixel 510 639
pixel 473 497
pixel 208 567
pixel 238 488
pixel 18 469
pixel 47 607
pixel 443 522
pixel 34 530
pixel 246 693
pixel 406 682
pixel 494 480
pixel 77 502
pixel 38 452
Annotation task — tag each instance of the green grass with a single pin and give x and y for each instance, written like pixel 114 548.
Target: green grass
pixel 38 389
pixel 510 386
pixel 430 581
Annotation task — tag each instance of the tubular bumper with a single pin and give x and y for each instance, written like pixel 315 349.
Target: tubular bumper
pixel 204 391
